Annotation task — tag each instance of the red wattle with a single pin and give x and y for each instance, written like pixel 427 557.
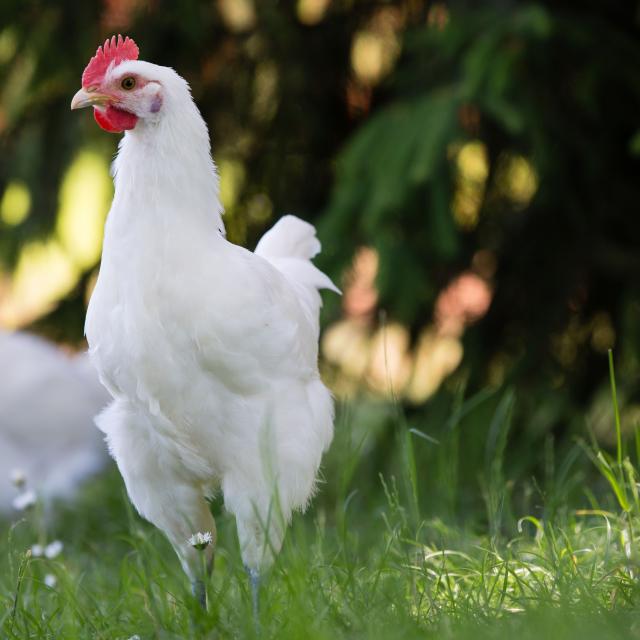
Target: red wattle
pixel 114 120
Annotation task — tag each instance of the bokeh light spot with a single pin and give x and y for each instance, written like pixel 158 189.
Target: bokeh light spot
pixel 311 12
pixel 238 15
pixel 43 275
pixel 472 167
pixel 8 45
pixel 84 201
pixel 375 49
pixel 15 204
pixel 517 179
pixel 232 177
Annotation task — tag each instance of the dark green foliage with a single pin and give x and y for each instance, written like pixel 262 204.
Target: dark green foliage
pixel 554 82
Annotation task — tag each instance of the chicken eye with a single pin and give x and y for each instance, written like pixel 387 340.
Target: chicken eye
pixel 128 83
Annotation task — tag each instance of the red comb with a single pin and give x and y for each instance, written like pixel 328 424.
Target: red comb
pixel 114 51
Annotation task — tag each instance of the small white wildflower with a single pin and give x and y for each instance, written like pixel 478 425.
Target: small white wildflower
pixel 136 637
pixel 18 477
pixel 25 500
pixel 201 540
pixel 50 580
pixel 37 550
pixel 53 549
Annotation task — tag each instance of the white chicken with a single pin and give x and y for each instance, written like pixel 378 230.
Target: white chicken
pixel 209 351
pixel 47 403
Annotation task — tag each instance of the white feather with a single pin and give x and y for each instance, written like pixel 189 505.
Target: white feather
pixel 209 351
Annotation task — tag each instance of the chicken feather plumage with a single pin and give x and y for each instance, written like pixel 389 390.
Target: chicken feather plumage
pixel 209 350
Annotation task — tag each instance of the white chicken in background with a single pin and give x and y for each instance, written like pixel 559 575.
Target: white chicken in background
pixel 47 404
pixel 209 351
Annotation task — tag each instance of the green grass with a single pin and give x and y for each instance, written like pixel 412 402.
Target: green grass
pixel 400 544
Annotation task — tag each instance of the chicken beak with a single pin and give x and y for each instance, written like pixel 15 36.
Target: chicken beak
pixel 86 98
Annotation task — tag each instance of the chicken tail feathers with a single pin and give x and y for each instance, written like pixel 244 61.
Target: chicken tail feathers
pixel 290 237
pixel 289 246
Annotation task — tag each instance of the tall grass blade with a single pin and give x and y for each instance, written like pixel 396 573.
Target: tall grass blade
pixel 614 397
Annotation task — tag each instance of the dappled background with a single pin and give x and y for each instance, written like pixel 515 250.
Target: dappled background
pixel 473 173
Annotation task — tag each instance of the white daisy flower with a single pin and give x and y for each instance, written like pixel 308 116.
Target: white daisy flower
pixel 18 478
pixel 136 637
pixel 50 580
pixel 37 550
pixel 200 540
pixel 53 549
pixel 25 500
